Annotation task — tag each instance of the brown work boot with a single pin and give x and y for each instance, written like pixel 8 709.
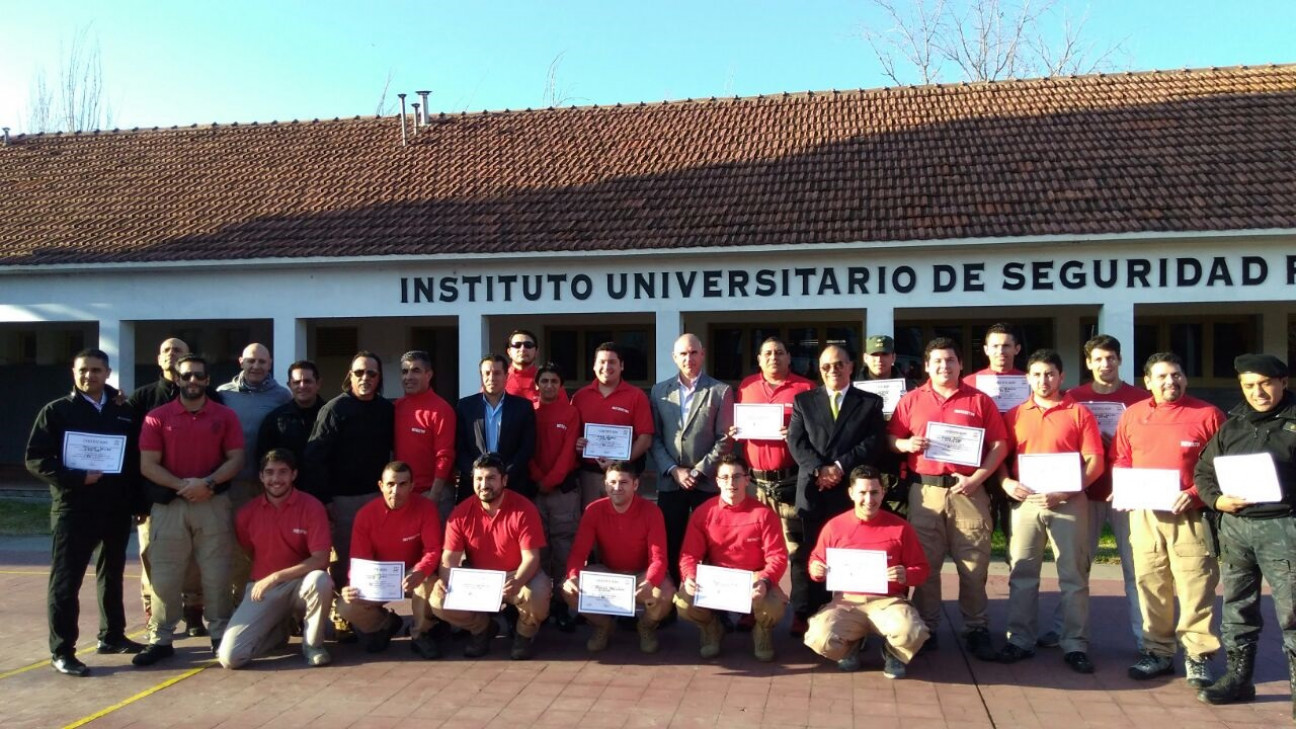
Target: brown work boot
pixel 712 632
pixel 598 641
pixel 648 642
pixel 763 642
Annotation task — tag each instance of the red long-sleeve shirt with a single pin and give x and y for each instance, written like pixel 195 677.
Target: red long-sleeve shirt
pixel 771 455
pixel 632 542
pixel 558 425
pixel 410 534
pixel 885 532
pixel 425 437
pixel 1169 435
pixel 746 536
pixel 522 382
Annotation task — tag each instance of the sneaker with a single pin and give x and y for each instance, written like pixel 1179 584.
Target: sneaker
pixel 648 642
pixel 152 653
pixel 598 640
pixel 1050 639
pixel 851 662
pixel 425 647
pixel 69 666
pixel 1079 662
pixel 1197 671
pixel 763 642
pixel 979 645
pixel 1150 666
pixel 1012 653
pixel 479 643
pixel 120 645
pixel 892 666
pixel 316 656
pixel 522 648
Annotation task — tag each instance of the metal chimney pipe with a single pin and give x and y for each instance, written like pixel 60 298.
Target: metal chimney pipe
pixel 404 138
pixel 6 136
pixel 418 118
pixel 427 110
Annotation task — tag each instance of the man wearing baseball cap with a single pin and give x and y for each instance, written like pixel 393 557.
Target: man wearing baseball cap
pixel 1253 538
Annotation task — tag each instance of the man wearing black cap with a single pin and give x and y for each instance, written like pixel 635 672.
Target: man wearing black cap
pixel 1253 539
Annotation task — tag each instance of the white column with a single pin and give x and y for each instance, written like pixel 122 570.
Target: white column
pixel 1273 333
pixel 1117 320
pixel 1066 338
pixel 117 340
pixel 473 344
pixel 289 345
pixel 879 319
pixel 670 325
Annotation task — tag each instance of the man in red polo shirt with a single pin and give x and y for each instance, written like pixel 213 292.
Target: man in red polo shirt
pixel 523 349
pixel 609 400
pixel 852 616
pixel 735 531
pixel 396 528
pixel 553 471
pixel 949 506
pixel 498 530
pixel 630 534
pixel 1001 348
pixel 190 449
pixel 286 533
pixel 425 432
pixel 773 469
pixel 1170 553
pixel 1050 422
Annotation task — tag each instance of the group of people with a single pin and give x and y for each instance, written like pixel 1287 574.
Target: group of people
pixel 255 498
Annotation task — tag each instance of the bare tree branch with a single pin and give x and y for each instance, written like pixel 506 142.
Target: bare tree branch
pixel 77 101
pixel 553 94
pixel 385 107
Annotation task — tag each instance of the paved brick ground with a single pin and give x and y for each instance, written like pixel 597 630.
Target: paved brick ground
pixel 619 689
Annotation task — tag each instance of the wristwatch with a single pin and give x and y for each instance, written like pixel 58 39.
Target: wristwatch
pixel 211 483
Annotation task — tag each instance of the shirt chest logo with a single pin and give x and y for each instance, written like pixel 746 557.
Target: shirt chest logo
pixel 410 538
pixel 620 409
pixel 420 431
pixel 960 411
pixel 299 530
pixel 560 426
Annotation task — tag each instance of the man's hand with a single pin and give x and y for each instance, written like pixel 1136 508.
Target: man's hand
pixel 580 444
pixel 1230 504
pixel 964 485
pixel 818 570
pixel 350 594
pixel 1015 489
pixel 603 463
pixel 759 589
pixel 1048 501
pixel 260 587
pixel 644 591
pixel 896 573
pixel 915 444
pixel 512 587
pixel 1183 502
pixel 92 477
pixel 413 580
pixel 829 477
pixel 571 587
pixel 684 477
pixel 690 586
pixel 194 490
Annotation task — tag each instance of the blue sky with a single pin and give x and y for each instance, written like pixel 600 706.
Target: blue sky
pixel 171 63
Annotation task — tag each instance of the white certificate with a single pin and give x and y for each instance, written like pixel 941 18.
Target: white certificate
pixel 857 570
pixel 1047 473
pixel 607 593
pixel 961 444
pixel 378 581
pixel 889 390
pixel 608 441
pixel 757 421
pixel 1108 414
pixel 477 591
pixel 1252 477
pixel 721 588
pixel 1007 391
pixel 1145 488
pixel 93 452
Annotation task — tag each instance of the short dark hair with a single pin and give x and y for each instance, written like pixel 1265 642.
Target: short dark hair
pixel 192 358
pixel 346 378
pixel 622 467
pixel 398 467
pixel 1047 356
pixel 279 455
pixel 1102 341
pixel 612 347
pixel 303 364
pixel 942 343
pixel 495 359
pixel 417 355
pixel 732 459
pixel 91 352
pixel 866 471
pixel 548 367
pixel 534 339
pixel 1002 328
pixel 1158 358
pixel 491 460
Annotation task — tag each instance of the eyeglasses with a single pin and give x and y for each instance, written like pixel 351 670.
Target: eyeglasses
pixel 731 477
pixel 522 345
pixel 186 376
pixel 360 374
pixel 831 366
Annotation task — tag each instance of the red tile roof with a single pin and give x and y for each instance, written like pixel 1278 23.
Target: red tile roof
pixel 1202 150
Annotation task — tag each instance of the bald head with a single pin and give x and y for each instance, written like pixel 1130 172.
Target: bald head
pixel 170 352
pixel 256 363
pixel 689 356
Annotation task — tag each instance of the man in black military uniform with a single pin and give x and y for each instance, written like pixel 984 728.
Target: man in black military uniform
pixel 1253 539
pixel 91 508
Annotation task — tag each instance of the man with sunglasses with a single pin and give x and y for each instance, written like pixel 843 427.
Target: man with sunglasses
pixel 523 370
pixel 190 449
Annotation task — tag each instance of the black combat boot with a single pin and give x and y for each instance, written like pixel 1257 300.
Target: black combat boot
pixel 1236 684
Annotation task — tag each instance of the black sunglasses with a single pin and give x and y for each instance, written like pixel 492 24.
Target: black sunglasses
pixel 186 376
pixel 522 345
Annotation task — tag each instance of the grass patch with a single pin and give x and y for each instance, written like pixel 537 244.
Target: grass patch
pixel 1107 552
pixel 24 517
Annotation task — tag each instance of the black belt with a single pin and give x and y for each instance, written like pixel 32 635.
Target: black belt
pixel 782 474
pixel 944 482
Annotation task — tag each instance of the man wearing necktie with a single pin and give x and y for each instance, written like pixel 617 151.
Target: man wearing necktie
pixel 834 429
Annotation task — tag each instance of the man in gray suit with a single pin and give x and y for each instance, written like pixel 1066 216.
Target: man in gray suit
pixel 692 413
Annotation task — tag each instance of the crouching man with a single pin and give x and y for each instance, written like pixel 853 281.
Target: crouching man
pixel 286 533
pixel 396 528
pixel 836 630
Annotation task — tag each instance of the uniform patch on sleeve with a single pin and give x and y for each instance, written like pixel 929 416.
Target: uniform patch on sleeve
pixel 1289 427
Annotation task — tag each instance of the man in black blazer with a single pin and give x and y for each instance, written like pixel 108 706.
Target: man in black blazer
pixel 493 421
pixel 834 429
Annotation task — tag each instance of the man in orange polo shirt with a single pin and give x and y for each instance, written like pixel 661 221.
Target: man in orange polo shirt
pixel 609 400
pixel 286 534
pixel 498 530
pixel 949 506
pixel 1050 422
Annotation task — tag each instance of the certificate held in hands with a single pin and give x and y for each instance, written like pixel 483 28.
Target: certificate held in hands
pixel 959 444
pixel 758 421
pixel 721 588
pixel 607 593
pixel 378 581
pixel 93 451
pixel 608 441
pixel 1252 478
pixel 1156 489
pixel 1047 473
pixel 857 570
pixel 1007 391
pixel 476 591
